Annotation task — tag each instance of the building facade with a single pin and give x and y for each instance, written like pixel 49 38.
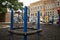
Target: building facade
pixel 46 8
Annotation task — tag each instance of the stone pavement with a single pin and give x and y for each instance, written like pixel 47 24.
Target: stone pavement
pixel 49 32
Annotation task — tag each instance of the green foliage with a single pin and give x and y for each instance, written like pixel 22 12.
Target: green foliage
pixel 17 5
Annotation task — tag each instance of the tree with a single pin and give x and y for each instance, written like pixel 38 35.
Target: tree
pixel 17 5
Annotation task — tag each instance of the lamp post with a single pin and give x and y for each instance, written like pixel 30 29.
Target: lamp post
pixel 59 15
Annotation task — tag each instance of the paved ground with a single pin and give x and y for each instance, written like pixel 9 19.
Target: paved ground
pixel 50 32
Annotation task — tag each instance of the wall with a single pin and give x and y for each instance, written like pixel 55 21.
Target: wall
pixel 7 17
pixel 2 17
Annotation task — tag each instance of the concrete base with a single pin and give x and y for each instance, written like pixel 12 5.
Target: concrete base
pixel 20 31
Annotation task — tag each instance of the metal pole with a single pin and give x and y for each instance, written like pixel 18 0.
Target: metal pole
pixel 25 19
pixel 52 20
pixel 11 24
pixel 38 24
pixel 25 37
pixel 59 20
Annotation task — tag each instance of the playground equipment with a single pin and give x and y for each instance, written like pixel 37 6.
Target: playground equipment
pixel 25 28
pixel 46 19
pixel 38 24
pixel 11 24
pixel 50 21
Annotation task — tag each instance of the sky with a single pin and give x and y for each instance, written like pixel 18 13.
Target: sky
pixel 27 2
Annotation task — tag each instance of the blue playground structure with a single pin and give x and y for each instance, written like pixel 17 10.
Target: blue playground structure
pixel 25 19
pixel 25 28
pixel 11 24
pixel 38 24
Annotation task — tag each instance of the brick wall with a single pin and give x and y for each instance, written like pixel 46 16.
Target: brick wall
pixel 2 17
pixel 7 17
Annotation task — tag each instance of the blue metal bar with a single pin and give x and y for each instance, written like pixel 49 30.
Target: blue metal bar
pixel 25 37
pixel 38 24
pixel 38 35
pixel 59 20
pixel 11 19
pixel 25 19
pixel 52 19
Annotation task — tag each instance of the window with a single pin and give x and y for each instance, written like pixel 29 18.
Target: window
pixel 53 13
pixel 40 14
pixel 48 6
pixel 32 14
pixel 45 14
pixel 51 5
pixel 58 3
pixel 35 14
pixel 45 7
pixel 49 13
pixel 40 7
pixel 34 8
pixel 31 9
